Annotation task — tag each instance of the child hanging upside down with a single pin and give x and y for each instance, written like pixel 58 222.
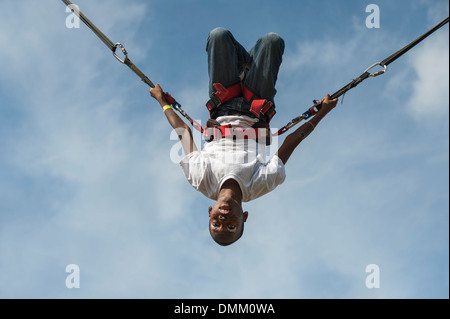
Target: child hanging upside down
pixel 231 168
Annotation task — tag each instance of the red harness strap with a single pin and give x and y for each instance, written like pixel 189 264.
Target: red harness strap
pixel 248 95
pixel 227 131
pixel 222 95
pixel 261 108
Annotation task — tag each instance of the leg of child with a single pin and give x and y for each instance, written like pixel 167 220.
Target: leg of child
pixel 225 58
pixel 266 60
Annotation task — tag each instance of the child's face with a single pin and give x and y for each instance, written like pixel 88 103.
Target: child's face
pixel 226 221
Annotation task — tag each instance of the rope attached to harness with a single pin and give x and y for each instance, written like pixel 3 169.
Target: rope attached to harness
pixel 306 115
pixel 113 47
pixel 315 108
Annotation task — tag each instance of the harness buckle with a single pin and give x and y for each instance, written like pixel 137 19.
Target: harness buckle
pixel 213 103
pixel 263 109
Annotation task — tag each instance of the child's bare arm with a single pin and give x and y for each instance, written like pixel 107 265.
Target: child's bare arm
pixel 183 130
pixel 295 138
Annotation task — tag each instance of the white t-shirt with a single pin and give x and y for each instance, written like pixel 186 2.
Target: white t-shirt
pixel 242 160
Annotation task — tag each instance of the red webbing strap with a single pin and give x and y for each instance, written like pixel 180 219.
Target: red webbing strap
pixel 259 107
pixel 225 94
pixel 227 131
pixel 248 95
pixel 222 95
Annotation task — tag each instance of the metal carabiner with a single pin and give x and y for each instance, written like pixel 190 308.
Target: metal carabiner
pixel 378 72
pixel 122 48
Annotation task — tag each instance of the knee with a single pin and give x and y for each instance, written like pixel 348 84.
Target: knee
pixel 218 34
pixel 273 40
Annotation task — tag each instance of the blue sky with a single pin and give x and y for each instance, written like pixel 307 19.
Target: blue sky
pixel 86 177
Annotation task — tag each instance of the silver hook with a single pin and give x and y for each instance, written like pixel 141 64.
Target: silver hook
pixel 122 48
pixel 378 72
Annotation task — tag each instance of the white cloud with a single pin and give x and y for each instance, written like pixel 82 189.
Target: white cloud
pixel 337 54
pixel 430 98
pixel 120 182
pixel 135 226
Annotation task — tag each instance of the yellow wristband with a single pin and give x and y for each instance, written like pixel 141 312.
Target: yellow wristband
pixel 165 108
